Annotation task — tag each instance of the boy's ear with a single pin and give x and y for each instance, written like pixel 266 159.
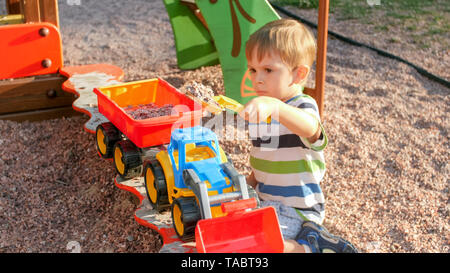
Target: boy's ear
pixel 301 72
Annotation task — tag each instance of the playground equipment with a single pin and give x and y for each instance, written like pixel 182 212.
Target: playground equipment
pixel 31 90
pixel 193 175
pixel 31 54
pixel 209 31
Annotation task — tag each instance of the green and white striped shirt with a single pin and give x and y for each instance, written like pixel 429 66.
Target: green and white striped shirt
pixel 287 167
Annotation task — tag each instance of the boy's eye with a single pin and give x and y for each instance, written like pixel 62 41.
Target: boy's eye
pixel 251 70
pixel 268 70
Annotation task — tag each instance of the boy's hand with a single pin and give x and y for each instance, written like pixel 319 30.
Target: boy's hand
pixel 251 180
pixel 260 108
pixel 296 120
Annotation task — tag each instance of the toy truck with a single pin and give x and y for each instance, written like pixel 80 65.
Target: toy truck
pixel 207 196
pixel 195 177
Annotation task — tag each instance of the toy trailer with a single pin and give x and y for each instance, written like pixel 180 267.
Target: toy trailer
pixel 127 140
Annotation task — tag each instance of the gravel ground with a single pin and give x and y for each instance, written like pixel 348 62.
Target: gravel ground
pixel 394 36
pixel 387 183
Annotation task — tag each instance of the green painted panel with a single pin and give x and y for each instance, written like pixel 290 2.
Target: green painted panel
pixel 193 42
pixel 231 22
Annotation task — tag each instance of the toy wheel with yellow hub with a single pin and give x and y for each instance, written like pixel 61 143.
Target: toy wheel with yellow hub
pixel 127 159
pixel 155 185
pixel 185 215
pixel 106 136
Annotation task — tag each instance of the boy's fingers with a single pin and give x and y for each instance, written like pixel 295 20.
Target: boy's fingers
pixel 254 114
pixel 243 113
pixel 246 112
pixel 263 115
pixel 253 118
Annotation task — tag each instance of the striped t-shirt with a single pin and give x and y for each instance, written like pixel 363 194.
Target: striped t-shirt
pixel 287 167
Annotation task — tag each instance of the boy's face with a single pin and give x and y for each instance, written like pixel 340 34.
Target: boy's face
pixel 272 77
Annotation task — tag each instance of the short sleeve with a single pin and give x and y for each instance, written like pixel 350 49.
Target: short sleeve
pixel 309 105
pixel 320 143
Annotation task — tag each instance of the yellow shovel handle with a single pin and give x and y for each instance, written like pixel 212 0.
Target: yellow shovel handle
pixel 232 105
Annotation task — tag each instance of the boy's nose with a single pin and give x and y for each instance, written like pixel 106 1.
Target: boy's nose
pixel 259 79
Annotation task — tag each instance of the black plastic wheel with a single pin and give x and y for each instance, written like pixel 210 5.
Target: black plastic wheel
pixel 155 185
pixel 185 214
pixel 127 159
pixel 106 136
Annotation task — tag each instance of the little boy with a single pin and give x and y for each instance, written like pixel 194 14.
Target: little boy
pixel 287 155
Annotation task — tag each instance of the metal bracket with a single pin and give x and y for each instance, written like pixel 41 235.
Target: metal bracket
pixel 237 179
pixel 199 188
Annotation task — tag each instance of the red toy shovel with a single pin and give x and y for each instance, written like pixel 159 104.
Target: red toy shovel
pixel 241 231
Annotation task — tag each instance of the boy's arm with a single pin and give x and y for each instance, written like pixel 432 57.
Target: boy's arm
pixel 299 122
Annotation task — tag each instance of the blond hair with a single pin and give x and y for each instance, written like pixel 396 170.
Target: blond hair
pixel 289 38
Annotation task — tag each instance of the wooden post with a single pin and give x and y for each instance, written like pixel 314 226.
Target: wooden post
pixel 30 10
pixel 40 11
pixel 13 6
pixel 321 61
pixel 49 11
pixel 322 35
